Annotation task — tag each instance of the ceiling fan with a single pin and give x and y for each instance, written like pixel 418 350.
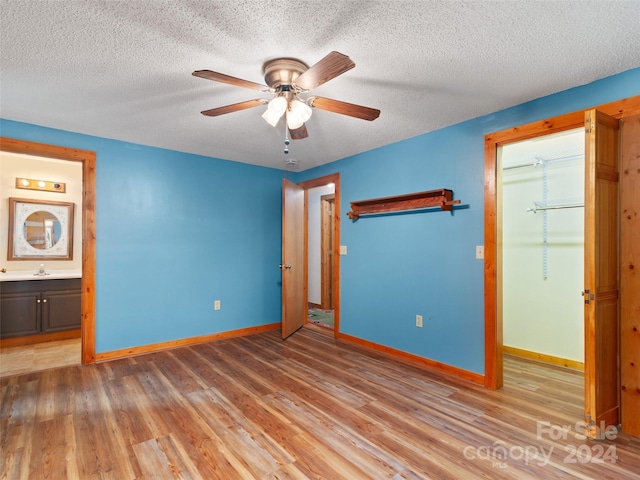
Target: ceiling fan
pixel 287 79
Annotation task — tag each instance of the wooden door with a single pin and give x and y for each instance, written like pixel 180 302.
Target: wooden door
pixel 326 249
pixel 293 272
pixel 601 299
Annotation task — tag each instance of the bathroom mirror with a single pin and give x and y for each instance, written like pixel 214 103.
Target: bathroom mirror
pixel 40 229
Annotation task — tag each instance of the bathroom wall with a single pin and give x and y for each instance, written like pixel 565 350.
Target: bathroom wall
pixel 14 165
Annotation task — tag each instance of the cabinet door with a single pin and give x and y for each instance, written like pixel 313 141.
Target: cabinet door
pixel 61 310
pixel 19 314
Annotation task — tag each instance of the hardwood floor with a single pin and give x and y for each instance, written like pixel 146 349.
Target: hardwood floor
pixel 308 407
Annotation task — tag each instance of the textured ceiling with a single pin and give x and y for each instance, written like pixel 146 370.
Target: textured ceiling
pixel 122 69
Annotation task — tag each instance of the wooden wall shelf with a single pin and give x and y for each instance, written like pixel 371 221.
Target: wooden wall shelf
pixel 442 198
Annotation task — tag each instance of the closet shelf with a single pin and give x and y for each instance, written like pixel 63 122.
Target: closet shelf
pixel 442 198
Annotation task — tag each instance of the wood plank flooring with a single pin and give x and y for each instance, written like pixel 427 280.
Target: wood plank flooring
pixel 308 407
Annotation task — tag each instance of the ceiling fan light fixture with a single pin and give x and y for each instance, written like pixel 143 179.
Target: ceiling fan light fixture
pixel 275 110
pixel 297 114
pixel 271 117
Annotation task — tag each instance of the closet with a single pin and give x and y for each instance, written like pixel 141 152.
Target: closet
pixel 542 192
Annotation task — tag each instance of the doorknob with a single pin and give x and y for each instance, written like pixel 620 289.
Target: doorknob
pixel 285 266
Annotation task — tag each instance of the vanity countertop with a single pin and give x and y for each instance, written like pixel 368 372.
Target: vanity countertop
pixel 20 275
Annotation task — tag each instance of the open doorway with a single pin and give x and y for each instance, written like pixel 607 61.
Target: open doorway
pixel 320 224
pixel 541 197
pixel 40 315
pixel 88 227
pixel 541 207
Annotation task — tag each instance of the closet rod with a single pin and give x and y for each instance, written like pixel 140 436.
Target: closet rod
pixel 554 207
pixel 541 161
pixel 534 164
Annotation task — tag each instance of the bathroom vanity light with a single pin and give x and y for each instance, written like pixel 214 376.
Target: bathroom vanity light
pixel 42 185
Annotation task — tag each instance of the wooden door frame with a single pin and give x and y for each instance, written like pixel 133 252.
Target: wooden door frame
pixel 88 283
pixel 326 234
pixel 307 185
pixel 629 280
pixel 493 358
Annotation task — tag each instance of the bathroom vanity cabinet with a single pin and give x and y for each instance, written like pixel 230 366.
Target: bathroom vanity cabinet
pixel 32 307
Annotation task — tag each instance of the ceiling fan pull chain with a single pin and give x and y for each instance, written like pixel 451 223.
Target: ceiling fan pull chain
pixel 286 139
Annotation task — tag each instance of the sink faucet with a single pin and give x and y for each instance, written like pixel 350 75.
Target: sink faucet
pixel 41 272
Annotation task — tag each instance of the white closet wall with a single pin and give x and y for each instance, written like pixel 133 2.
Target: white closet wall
pixel 542 305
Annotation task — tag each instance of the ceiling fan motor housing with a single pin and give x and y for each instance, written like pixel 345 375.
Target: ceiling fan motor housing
pixel 283 71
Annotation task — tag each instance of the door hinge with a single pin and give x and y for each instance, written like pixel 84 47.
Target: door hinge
pixel 588 296
pixel 589 421
pixel 588 125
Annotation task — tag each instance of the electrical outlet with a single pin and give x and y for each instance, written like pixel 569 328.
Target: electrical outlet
pixel 216 305
pixel 419 321
pixel 480 252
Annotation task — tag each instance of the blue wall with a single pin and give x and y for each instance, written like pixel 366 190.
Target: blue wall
pixel 402 265
pixel 174 233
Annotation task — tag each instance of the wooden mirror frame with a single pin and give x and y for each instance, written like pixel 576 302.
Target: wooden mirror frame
pixel 19 246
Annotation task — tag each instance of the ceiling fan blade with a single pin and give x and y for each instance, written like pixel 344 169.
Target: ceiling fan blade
pixel 344 108
pixel 329 67
pixel 214 112
pixel 221 77
pixel 299 133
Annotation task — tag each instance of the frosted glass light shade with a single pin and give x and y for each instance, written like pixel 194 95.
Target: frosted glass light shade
pixel 275 110
pixel 297 114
